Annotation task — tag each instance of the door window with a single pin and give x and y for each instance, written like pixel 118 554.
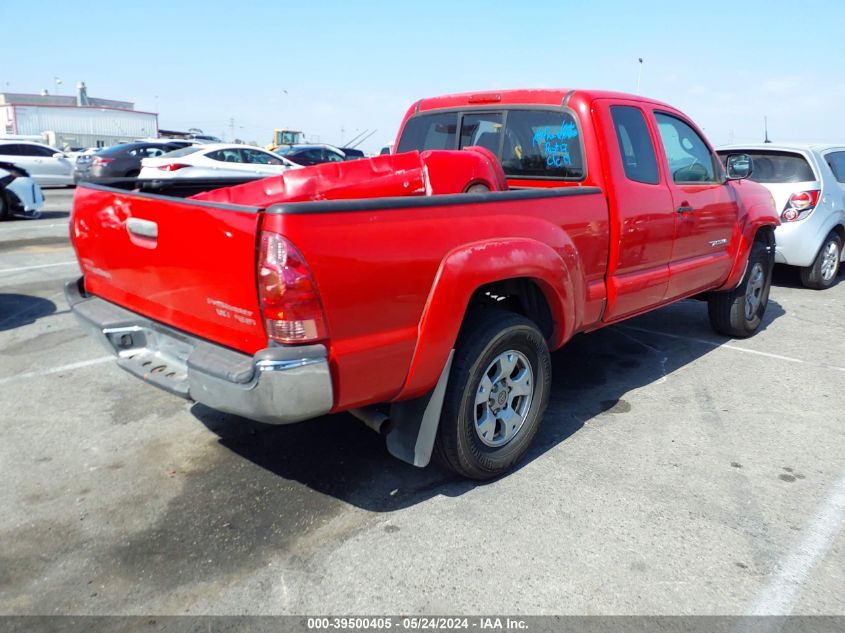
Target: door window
pixel 10 150
pixel 226 156
pixel 35 150
pixel 257 157
pixel 689 158
pixel 635 144
pixel 334 157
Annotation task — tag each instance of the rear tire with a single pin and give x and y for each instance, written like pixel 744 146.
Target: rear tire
pixel 822 273
pixel 5 206
pixel 497 393
pixel 738 313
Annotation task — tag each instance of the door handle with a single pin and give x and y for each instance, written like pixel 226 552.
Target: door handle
pixel 142 228
pixel 684 208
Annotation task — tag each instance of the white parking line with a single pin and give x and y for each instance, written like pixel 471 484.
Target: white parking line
pixel 779 595
pixel 25 268
pixel 736 348
pixel 56 370
pixel 34 228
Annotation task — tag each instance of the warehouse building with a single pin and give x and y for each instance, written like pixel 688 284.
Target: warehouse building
pixel 70 122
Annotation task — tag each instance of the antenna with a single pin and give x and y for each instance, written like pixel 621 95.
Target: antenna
pixel 360 140
pixel 766 130
pixel 355 138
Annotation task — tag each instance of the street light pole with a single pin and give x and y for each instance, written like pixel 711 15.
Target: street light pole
pixel 639 74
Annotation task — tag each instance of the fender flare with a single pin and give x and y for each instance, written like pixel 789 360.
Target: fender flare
pixel 754 221
pixel 556 271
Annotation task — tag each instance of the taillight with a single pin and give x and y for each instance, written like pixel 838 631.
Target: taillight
pixel 289 299
pixel 172 166
pixel 800 205
pixel 99 160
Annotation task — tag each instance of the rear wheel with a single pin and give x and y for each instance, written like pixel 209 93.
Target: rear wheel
pixel 496 396
pixel 739 312
pixel 5 209
pixel 822 273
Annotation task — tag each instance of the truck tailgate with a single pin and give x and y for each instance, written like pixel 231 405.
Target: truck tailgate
pixel 189 264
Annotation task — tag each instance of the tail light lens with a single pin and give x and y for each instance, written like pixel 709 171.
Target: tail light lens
pixel 172 166
pixel 290 302
pixel 800 205
pixel 99 160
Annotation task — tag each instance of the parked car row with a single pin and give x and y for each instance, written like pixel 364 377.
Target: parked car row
pixel 122 161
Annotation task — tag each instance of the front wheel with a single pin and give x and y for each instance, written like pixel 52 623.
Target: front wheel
pixel 497 393
pixel 822 273
pixel 739 312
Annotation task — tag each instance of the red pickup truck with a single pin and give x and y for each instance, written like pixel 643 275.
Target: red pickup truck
pixel 423 291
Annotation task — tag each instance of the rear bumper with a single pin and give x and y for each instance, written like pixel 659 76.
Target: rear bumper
pixel 277 385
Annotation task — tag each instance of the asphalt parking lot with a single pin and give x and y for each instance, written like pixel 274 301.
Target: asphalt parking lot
pixel 676 472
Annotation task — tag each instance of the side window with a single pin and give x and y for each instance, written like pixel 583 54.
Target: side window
pixel 635 144
pixel 689 158
pixel 10 150
pixel 260 158
pixel 32 150
pixel 226 156
pixel 542 144
pixel 484 130
pixel 836 161
pixel 333 157
pixel 46 152
pixel 429 131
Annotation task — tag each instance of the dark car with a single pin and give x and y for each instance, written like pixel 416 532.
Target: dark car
pixel 316 154
pixel 121 161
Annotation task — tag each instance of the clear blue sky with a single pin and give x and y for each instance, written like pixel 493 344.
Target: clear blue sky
pixel 334 68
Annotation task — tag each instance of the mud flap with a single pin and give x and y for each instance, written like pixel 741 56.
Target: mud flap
pixel 415 423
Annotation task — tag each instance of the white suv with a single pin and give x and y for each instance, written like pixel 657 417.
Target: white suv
pixel 808 185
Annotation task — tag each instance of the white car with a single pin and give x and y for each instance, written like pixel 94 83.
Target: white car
pixel 18 193
pixel 46 165
pixel 214 161
pixel 808 184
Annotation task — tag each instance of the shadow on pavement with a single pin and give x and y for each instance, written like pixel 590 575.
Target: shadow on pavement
pixel 338 456
pixel 17 310
pixel 790 277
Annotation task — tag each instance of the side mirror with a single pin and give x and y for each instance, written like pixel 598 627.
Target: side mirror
pixel 739 166
pixel 59 155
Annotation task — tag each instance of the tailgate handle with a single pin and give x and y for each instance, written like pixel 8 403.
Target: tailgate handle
pixel 142 228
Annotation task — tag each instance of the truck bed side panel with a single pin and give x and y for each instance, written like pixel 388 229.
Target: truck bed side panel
pixel 375 268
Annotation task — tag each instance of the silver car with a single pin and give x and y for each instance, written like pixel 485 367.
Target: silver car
pixel 46 165
pixel 808 185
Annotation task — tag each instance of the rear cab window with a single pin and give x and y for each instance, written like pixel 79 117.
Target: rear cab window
pixel 535 143
pixel 772 166
pixel 635 144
